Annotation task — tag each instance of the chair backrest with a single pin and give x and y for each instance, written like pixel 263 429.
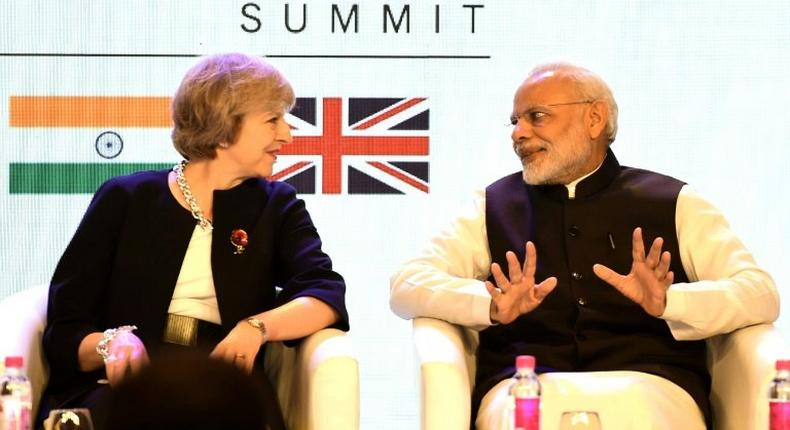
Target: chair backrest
pixel 23 316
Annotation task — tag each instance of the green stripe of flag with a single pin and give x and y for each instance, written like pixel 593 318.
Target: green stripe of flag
pixel 69 178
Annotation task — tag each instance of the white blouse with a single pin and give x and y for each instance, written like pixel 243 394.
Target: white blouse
pixel 194 295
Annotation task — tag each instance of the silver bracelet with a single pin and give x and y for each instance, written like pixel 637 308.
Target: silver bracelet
pixel 103 347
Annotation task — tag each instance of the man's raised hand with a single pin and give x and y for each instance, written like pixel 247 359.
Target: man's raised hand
pixel 517 294
pixel 649 279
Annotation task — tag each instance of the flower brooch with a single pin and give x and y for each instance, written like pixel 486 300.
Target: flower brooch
pixel 239 240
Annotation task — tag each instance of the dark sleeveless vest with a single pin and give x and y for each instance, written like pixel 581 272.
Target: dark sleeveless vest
pixel 585 324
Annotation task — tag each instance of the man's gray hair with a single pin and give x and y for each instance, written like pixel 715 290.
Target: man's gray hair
pixel 589 86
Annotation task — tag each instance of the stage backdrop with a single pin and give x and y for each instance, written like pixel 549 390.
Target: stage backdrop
pixel 403 110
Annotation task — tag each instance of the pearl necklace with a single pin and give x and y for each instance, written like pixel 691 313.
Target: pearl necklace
pixel 197 213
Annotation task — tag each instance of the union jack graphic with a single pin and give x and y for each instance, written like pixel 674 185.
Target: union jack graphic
pixel 357 146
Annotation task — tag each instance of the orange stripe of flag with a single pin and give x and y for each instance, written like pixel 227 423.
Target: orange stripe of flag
pixel 99 111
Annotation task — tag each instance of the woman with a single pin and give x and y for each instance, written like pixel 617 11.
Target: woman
pixel 191 258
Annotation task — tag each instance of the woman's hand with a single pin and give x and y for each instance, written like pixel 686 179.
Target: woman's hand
pixel 240 346
pixel 297 318
pixel 127 355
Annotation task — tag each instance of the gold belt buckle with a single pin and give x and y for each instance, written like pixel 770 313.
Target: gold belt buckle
pixel 181 330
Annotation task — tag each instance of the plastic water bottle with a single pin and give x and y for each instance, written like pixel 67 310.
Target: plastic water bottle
pixel 779 397
pixel 15 396
pixel 525 395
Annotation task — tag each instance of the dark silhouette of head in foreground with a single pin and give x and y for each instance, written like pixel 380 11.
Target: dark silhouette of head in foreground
pixel 187 391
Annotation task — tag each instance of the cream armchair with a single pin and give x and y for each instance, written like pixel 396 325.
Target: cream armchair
pixel 741 364
pixel 317 382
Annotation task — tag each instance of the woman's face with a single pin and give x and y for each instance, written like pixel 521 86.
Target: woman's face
pixel 258 142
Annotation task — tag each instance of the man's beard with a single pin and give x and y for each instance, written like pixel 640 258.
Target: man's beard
pixel 560 163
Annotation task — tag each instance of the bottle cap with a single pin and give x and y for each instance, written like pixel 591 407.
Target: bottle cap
pixel 780 364
pixel 525 362
pixel 14 361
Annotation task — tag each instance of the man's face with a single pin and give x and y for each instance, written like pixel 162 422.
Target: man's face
pixel 548 131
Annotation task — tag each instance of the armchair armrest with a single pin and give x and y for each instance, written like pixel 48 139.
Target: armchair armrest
pixel 741 364
pixel 446 354
pixel 23 316
pixel 317 382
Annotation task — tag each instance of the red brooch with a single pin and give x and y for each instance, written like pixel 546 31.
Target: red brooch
pixel 239 239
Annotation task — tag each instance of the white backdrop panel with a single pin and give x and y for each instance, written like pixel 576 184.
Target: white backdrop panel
pixel 702 88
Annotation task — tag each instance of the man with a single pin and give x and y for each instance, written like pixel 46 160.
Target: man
pixel 551 261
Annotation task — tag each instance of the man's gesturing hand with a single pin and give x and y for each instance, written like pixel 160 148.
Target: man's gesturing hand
pixel 517 293
pixel 649 279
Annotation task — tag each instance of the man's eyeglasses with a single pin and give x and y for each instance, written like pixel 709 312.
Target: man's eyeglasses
pixel 538 113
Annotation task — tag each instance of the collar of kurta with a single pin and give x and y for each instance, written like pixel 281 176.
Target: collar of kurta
pixel 598 181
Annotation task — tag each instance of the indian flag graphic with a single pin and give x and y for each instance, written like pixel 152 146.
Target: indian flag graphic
pixel 104 113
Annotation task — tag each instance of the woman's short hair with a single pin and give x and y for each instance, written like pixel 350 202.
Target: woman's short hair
pixel 214 96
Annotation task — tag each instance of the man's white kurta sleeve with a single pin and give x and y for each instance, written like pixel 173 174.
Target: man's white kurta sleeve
pixel 446 281
pixel 726 288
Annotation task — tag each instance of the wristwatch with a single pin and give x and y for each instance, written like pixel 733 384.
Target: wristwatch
pixel 259 324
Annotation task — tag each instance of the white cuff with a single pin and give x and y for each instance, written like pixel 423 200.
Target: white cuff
pixel 481 308
pixel 676 305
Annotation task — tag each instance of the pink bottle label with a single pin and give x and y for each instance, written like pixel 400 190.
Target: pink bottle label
pixel 780 416
pixel 527 414
pixel 15 416
pixel 24 419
